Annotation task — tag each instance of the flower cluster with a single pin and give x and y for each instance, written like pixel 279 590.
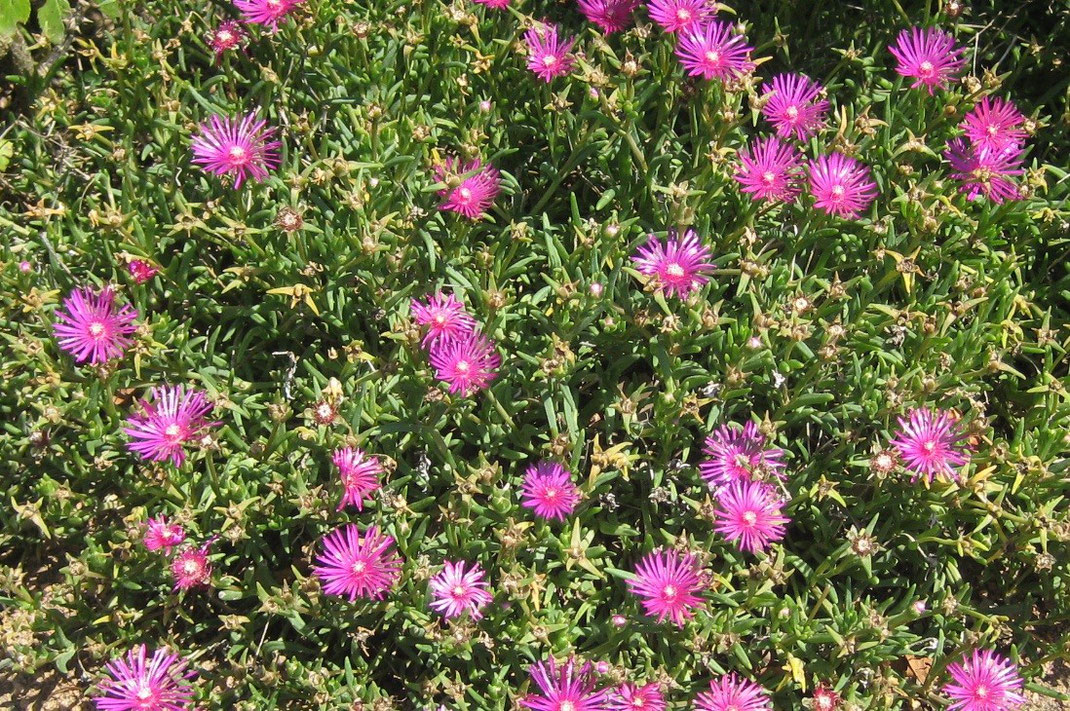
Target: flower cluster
pixel 462 356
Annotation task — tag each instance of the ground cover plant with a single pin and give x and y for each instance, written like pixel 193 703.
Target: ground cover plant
pixel 516 354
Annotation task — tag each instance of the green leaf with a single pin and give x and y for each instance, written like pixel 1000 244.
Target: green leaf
pixel 13 13
pixel 51 17
pixel 7 150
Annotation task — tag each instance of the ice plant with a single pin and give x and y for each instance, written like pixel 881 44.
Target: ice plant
pixel 749 513
pixel 841 186
pixel 930 443
pixel 610 15
pixel 739 455
pixel 793 105
pixel 141 270
pixel 160 533
pixel 712 51
pixel 564 687
pixel 548 491
pixel 445 318
pixel 457 590
pixel 493 4
pixel 985 172
pixel 174 416
pixel 666 583
pixel 227 36
pixel 769 170
pixel 548 55
pixel 265 12
pixel 984 681
pixel 994 125
pixel 928 56
pixel 732 693
pixel 359 474
pixel 191 569
pixel 140 682
pixel 470 189
pixel 92 327
pixel 630 697
pixel 825 699
pixel 677 15
pixel 678 266
pixel 241 148
pixel 466 364
pixel 354 565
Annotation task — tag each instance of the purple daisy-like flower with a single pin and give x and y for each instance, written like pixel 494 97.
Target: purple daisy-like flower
pixel 712 51
pixel 493 4
pixel 666 582
pixel 471 188
pixel 984 681
pixel 359 474
pixel 631 697
pixel 191 568
pixel 732 693
pixel 678 266
pixel 548 55
pixel 227 36
pixel 610 15
pixel 749 513
pixel 985 172
pixel 930 443
pixel 841 186
pixel 445 318
pixel 268 13
pixel 467 364
pixel 740 455
pixel 457 590
pixel 162 534
pixel 994 125
pixel 565 687
pixel 92 327
pixel 174 417
pixel 928 56
pixel 353 565
pixel 793 105
pixel 770 170
pixel 139 682
pixel 241 148
pixel 548 491
pixel 680 15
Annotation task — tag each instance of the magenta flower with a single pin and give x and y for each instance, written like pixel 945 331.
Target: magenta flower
pixel 749 513
pixel 710 50
pixel 984 681
pixel 445 318
pixel 740 455
pixel 141 270
pixel 142 683
pixel 825 699
pixel 466 364
pixel 241 148
pixel 265 12
pixel 564 688
pixel 793 106
pixel 355 566
pixel 90 326
pixel 175 416
pixel 930 443
pixel 928 56
pixel 630 697
pixel 493 4
pixel 359 474
pixel 666 583
pixel 160 533
pixel 731 693
pixel 191 568
pixel 457 590
pixel 677 15
pixel 994 125
pixel 548 491
pixel 985 172
pixel 227 36
pixel 769 170
pixel 548 56
pixel 841 185
pixel 469 196
pixel 677 267
pixel 610 15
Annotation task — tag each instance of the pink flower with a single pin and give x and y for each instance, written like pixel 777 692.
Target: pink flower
pixel 159 533
pixel 678 266
pixel 676 15
pixel 793 106
pixel 90 326
pixel 469 196
pixel 548 56
pixel 265 12
pixel 191 568
pixel 666 583
pixel 740 455
pixel 229 35
pixel 466 364
pixel 493 4
pixel 564 688
pixel 928 56
pixel 629 697
pixel 769 170
pixel 445 318
pixel 354 566
pixel 749 513
pixel 731 693
pixel 984 681
pixel 710 50
pixel 610 15
pixel 175 416
pixel 241 148
pixel 457 590
pixel 841 185
pixel 548 491
pixel 142 683
pixel 983 171
pixel 994 125
pixel 359 474
pixel 930 443
pixel 825 699
pixel 141 270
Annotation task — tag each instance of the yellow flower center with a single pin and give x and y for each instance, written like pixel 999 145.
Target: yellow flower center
pixel 792 112
pixel 674 270
pixel 458 591
pixel 669 592
pixel 96 329
pixel 750 518
pixel 463 366
pixel 683 14
pixel 549 60
pixel 713 57
pixel 358 567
